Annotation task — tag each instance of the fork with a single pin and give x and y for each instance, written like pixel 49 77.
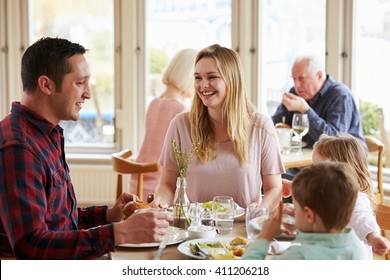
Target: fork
pixel 201 252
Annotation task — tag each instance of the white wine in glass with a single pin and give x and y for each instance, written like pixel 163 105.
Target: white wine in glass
pixel 300 125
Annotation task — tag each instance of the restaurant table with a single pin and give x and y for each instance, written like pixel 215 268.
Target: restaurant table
pixel 170 252
pixel 292 160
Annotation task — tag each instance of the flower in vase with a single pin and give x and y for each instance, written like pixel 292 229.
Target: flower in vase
pixel 182 158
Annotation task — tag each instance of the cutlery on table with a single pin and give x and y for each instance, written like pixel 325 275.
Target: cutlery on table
pixel 162 246
pixel 201 252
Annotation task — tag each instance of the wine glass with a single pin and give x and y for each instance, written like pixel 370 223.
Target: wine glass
pixel 300 125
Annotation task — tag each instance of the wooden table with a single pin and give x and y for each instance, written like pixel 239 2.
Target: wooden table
pixel 293 160
pixel 170 252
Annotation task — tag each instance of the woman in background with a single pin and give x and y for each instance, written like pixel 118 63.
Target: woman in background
pixel 178 77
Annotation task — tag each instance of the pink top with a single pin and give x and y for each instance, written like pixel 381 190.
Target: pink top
pixel 158 116
pixel 224 175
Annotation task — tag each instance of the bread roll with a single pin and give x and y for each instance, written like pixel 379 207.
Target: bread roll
pixel 130 208
pixel 239 241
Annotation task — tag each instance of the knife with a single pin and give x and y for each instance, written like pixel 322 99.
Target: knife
pixel 162 246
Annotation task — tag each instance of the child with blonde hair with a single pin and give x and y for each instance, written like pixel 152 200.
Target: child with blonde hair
pixel 346 148
pixel 324 196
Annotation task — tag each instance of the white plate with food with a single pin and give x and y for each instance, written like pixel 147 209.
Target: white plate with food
pixel 176 235
pixel 239 211
pixel 216 248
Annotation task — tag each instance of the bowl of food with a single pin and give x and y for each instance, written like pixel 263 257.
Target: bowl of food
pixel 201 231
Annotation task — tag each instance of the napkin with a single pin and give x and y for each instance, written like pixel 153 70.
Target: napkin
pixel 278 247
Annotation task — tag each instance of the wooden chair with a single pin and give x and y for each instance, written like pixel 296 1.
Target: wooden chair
pixel 375 145
pixel 383 219
pixel 122 164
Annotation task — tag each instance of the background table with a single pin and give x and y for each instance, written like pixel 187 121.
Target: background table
pixel 293 160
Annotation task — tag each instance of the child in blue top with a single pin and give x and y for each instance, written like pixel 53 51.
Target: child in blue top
pixel 324 197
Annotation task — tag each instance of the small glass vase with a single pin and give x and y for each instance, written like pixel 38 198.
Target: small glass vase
pixel 181 205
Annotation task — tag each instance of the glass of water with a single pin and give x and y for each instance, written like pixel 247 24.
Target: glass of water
pixel 223 214
pixel 256 214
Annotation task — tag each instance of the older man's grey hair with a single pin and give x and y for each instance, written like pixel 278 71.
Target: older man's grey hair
pixel 313 63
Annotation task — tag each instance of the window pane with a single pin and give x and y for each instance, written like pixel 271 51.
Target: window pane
pixel 91 25
pixel 372 60
pixel 172 25
pixel 288 29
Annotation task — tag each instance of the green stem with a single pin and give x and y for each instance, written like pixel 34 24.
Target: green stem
pixel 182 200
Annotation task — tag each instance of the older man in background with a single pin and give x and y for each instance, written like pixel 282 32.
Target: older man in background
pixel 329 104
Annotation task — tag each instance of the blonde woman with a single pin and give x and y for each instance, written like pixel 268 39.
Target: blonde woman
pixel 238 153
pixel 178 78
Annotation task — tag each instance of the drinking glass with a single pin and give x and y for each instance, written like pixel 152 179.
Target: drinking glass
pixel 223 214
pixel 256 214
pixel 300 126
pixel 288 220
pixel 284 137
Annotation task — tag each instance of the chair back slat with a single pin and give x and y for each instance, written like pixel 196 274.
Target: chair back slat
pixel 375 145
pixel 123 164
pixel 383 219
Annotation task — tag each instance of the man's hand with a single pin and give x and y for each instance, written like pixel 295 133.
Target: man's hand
pixel 144 226
pixel 295 103
pixel 114 214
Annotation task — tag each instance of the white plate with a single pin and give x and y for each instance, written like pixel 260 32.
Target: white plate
pixel 176 235
pixel 239 210
pixel 257 223
pixel 184 247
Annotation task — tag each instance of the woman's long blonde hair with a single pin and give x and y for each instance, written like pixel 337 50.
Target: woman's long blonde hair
pixel 237 109
pixel 346 148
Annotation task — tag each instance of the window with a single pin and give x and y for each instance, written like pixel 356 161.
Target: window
pixel 372 56
pixel 287 29
pixel 3 62
pixel 172 25
pixel 371 66
pixel 92 25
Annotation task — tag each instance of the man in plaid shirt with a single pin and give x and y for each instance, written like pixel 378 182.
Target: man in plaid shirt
pixel 38 206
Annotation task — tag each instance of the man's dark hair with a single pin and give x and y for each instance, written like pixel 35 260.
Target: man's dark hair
pixel 48 56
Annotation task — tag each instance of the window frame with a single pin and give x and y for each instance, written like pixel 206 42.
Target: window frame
pixel 130 58
pixel 3 60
